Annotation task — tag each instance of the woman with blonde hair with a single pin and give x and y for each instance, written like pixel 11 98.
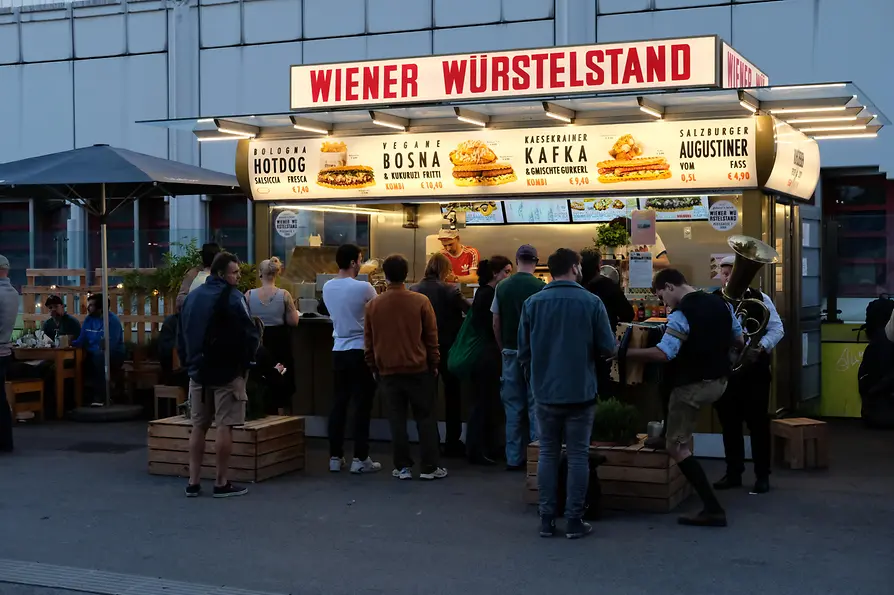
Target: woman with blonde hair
pixel 276 309
pixel 449 306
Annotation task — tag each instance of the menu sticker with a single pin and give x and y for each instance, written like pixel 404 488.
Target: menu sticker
pixel 640 270
pixel 537 211
pixel 616 158
pixel 600 210
pixel 286 223
pixel 723 215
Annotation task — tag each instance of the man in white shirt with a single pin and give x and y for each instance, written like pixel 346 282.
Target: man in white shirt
pixel 747 400
pixel 9 309
pixel 345 297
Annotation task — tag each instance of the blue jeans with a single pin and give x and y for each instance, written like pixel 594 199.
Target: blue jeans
pixel 518 401
pixel 574 424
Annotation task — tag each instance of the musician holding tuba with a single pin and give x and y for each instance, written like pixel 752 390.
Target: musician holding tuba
pixel 747 396
pixel 700 332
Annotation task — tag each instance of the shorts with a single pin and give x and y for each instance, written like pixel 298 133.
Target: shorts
pixel 684 406
pixel 227 408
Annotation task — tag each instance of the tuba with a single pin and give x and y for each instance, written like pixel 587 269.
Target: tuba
pixel 753 314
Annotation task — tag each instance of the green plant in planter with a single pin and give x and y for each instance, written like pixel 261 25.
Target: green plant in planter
pixel 249 279
pixel 612 235
pixel 615 422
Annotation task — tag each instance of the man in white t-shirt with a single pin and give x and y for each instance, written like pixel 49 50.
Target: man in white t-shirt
pixel 346 297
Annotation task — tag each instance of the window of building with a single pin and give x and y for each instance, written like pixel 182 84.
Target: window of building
pixel 860 211
pixel 228 224
pixel 120 239
pixel 51 238
pixel 15 242
pixel 154 231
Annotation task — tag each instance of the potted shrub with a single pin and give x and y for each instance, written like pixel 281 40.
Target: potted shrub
pixel 611 240
pixel 615 423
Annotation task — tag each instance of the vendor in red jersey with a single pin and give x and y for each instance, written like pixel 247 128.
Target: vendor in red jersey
pixel 463 259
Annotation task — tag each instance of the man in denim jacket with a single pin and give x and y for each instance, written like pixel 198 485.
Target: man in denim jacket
pixel 564 330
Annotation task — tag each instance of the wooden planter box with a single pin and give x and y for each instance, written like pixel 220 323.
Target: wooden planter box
pixel 632 478
pixel 262 448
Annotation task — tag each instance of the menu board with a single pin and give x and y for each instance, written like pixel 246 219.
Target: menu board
pixel 489 213
pixel 677 208
pixel 595 210
pixel 661 156
pixel 537 211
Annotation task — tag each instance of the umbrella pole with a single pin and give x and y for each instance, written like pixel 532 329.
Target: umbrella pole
pixel 103 223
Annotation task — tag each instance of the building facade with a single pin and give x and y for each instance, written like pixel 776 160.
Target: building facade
pixel 81 73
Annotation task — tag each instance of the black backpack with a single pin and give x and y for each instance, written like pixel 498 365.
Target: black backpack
pixel 224 356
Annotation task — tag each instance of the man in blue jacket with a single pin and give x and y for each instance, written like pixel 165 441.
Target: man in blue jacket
pixel 217 340
pixel 564 331
pixel 92 339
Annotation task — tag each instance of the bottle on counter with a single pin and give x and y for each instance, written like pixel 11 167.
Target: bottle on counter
pixel 641 313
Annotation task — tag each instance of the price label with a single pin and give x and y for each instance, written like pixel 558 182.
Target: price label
pixel 300 190
pixel 431 185
pixel 579 181
pixel 739 176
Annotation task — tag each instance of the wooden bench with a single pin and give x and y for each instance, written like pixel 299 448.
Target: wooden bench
pixel 800 443
pixel 14 388
pixel 176 394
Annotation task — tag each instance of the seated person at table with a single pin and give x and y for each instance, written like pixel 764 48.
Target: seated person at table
pixel 60 322
pixel 92 340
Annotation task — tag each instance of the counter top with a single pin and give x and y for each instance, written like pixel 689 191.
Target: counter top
pixel 318 319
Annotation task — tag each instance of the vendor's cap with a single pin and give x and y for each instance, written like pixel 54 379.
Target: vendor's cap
pixel 448 234
pixel 4 262
pixel 728 261
pixel 526 252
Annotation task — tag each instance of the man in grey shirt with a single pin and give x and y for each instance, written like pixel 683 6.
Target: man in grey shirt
pixel 9 309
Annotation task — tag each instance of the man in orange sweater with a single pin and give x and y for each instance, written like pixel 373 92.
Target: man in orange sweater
pixel 401 345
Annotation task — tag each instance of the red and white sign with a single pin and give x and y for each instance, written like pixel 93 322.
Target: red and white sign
pixel 662 64
pixel 739 73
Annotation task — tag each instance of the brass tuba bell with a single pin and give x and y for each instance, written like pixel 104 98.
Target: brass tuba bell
pixel 753 314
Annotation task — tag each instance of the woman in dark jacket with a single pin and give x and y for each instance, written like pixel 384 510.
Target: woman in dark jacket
pixel 449 306
pixel 481 432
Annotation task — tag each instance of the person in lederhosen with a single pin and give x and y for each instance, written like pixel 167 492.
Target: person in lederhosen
pixel 747 400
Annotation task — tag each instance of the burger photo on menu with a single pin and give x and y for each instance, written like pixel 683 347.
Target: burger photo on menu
pixel 346 177
pixel 626 165
pixel 673 203
pixel 475 164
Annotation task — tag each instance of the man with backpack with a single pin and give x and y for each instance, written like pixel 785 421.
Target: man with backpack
pixel 875 378
pixel 218 341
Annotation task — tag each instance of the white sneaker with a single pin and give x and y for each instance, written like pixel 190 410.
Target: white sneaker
pixel 367 466
pixel 439 473
pixel 336 464
pixel 405 473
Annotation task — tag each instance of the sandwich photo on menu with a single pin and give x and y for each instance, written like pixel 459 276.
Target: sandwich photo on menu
pixel 626 164
pixel 673 203
pixel 475 164
pixel 346 177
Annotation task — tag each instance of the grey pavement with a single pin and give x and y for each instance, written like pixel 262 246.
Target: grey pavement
pixel 79 496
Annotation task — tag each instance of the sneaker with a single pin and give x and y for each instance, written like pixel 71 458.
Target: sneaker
pixel 367 466
pixel 762 485
pixel 576 528
pixel 704 519
pixel 193 491
pixel 405 473
pixel 439 473
pixel 728 482
pixel 229 490
pixel 547 526
pixel 97 404
pixel 336 464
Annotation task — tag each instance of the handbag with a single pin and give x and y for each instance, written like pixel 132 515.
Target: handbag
pixel 466 350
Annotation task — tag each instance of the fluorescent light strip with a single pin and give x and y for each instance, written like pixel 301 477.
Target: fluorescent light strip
pixel 235 132
pixel 240 136
pixel 348 210
pixel 471 121
pixel 834 128
pixel 558 117
pixel 205 120
pixel 816 86
pixel 747 106
pixel 805 110
pixel 830 136
pixel 651 112
pixel 400 127
pixel 310 129
pixel 822 119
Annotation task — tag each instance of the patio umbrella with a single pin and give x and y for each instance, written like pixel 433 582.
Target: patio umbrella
pixel 91 176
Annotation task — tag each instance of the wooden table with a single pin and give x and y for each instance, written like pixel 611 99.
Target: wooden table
pixel 59 355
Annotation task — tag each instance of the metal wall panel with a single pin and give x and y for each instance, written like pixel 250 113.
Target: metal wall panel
pixel 9 41
pixel 271 20
pixel 147 31
pixel 793 21
pixel 338 49
pixel 107 113
pixel 398 15
pixel 221 25
pixel 395 45
pixel 489 38
pixel 100 36
pixel 323 18
pixel 46 36
pixel 528 10
pixel 461 13
pixel 40 96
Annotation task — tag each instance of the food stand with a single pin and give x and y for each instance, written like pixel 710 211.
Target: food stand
pixel 536 147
